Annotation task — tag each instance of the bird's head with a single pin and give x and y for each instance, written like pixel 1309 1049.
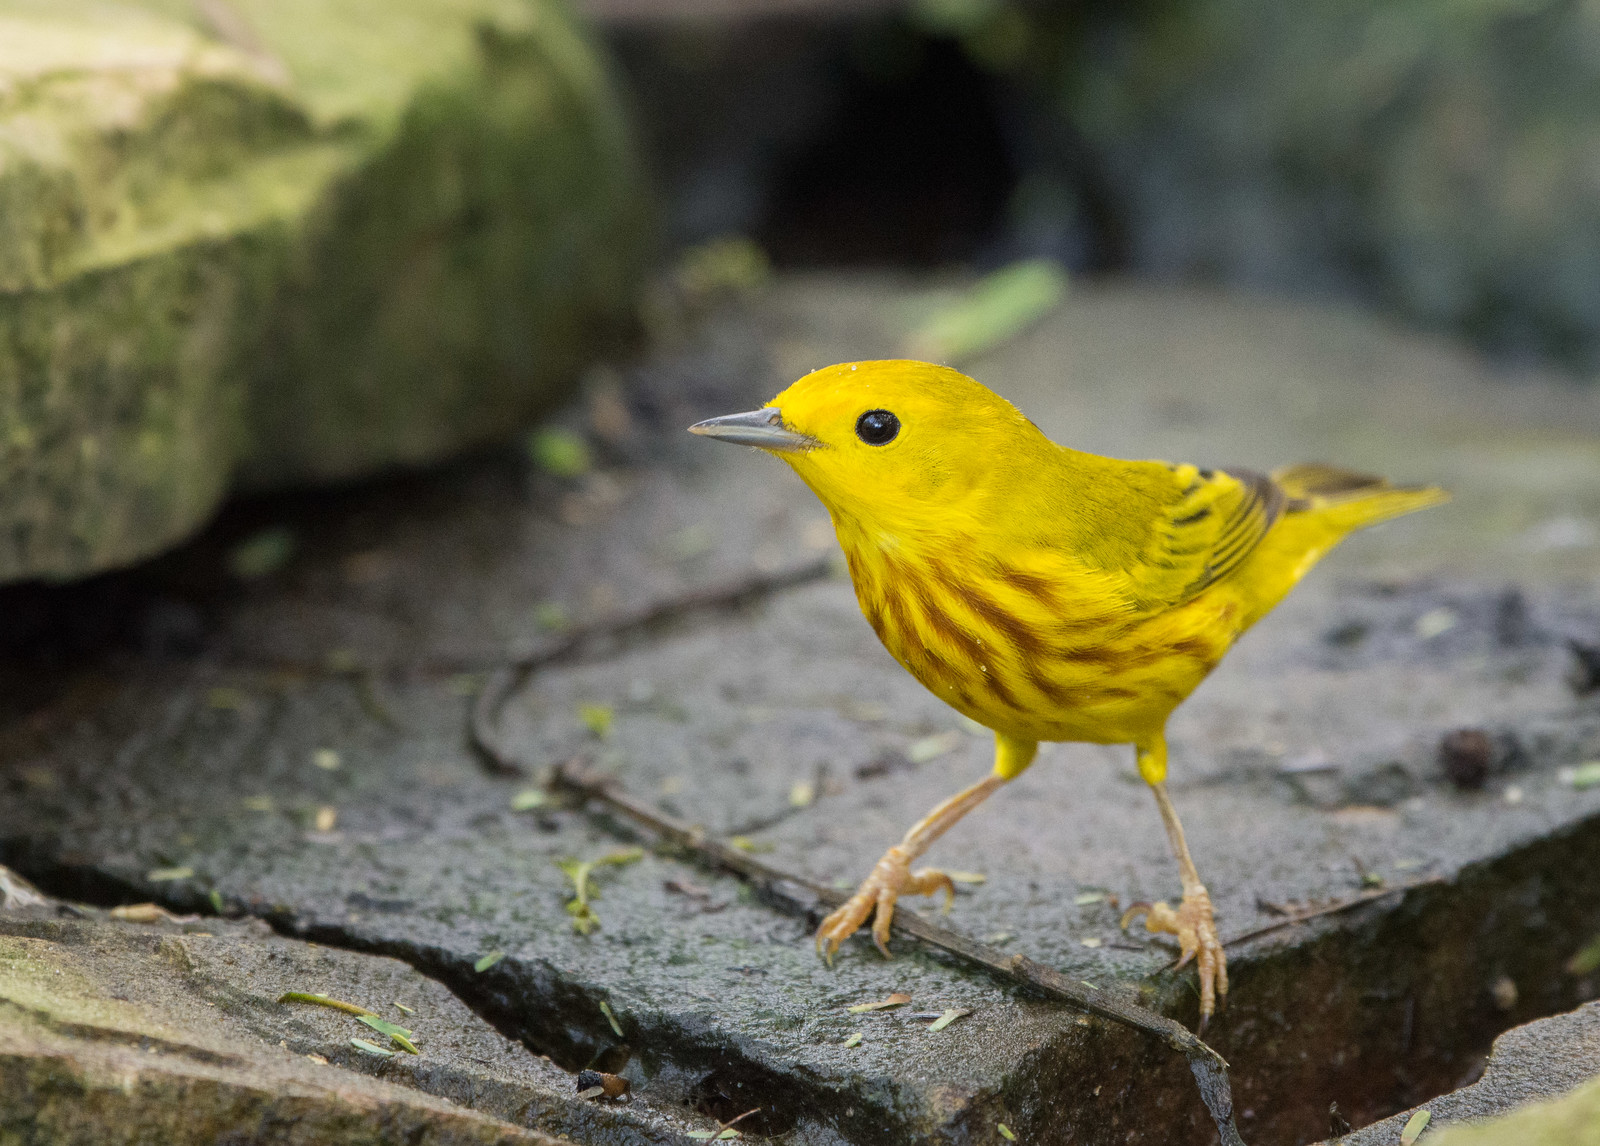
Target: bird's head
pixel 878 440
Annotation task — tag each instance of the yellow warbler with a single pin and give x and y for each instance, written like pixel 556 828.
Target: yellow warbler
pixel 1046 593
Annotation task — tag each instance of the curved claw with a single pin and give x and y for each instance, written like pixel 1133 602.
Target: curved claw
pixel 1195 926
pixel 926 881
pixel 890 879
pixel 1134 911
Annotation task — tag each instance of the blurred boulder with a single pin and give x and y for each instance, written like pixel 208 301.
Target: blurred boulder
pixel 258 242
pixel 1434 156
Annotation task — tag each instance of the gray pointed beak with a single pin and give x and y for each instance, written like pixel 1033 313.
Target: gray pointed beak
pixel 763 429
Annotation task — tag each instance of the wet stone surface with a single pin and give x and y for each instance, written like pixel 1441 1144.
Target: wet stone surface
pixel 178 1029
pixel 1307 769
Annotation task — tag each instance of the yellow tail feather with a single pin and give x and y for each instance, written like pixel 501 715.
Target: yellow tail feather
pixel 1348 500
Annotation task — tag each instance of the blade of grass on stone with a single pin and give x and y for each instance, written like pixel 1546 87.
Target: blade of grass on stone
pixel 488 961
pixel 528 799
pixel 950 1016
pixel 323 1001
pixel 371 1048
pixel 401 1035
pixel 996 308
pixel 611 1017
pixel 1414 1127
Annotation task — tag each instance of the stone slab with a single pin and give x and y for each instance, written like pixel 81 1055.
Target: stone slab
pixel 1305 769
pixel 122 1032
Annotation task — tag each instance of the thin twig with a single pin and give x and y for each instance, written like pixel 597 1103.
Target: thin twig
pixel 779 888
pixel 739 1118
pixel 1361 898
pixel 508 678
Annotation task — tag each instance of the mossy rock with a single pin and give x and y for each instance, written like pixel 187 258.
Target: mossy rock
pixel 262 242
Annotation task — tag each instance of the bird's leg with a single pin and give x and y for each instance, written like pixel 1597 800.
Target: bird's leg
pixel 893 877
pixel 1193 922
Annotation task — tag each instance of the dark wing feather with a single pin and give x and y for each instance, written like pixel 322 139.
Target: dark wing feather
pixel 1206 531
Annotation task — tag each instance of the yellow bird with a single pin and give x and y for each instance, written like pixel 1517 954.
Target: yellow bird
pixel 1047 594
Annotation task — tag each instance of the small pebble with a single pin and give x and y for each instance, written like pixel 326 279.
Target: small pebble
pixel 1465 755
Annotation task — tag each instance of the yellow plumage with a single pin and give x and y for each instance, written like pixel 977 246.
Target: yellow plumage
pixel 1046 593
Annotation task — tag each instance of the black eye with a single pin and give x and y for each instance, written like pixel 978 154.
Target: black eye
pixel 877 427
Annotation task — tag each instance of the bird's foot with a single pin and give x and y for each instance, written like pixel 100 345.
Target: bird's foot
pixel 1194 924
pixel 890 879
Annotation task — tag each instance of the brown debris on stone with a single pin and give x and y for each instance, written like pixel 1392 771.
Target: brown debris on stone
pixel 1465 755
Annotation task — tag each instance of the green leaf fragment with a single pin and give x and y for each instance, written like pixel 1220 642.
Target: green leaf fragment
pixel 488 960
pixel 1414 1127
pixel 403 1007
pixel 584 920
pixel 401 1035
pixel 996 308
pixel 950 1015
pixel 750 846
pixel 853 1041
pixel 611 1017
pixel 1586 960
pixel 216 901
pixel 1586 775
pixel 597 718
pixel 528 799
pixel 1088 897
pixel 371 1048
pixel 169 874
pixel 1005 1132
pixel 560 452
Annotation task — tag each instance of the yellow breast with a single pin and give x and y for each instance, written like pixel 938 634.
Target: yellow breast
pixel 1034 655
